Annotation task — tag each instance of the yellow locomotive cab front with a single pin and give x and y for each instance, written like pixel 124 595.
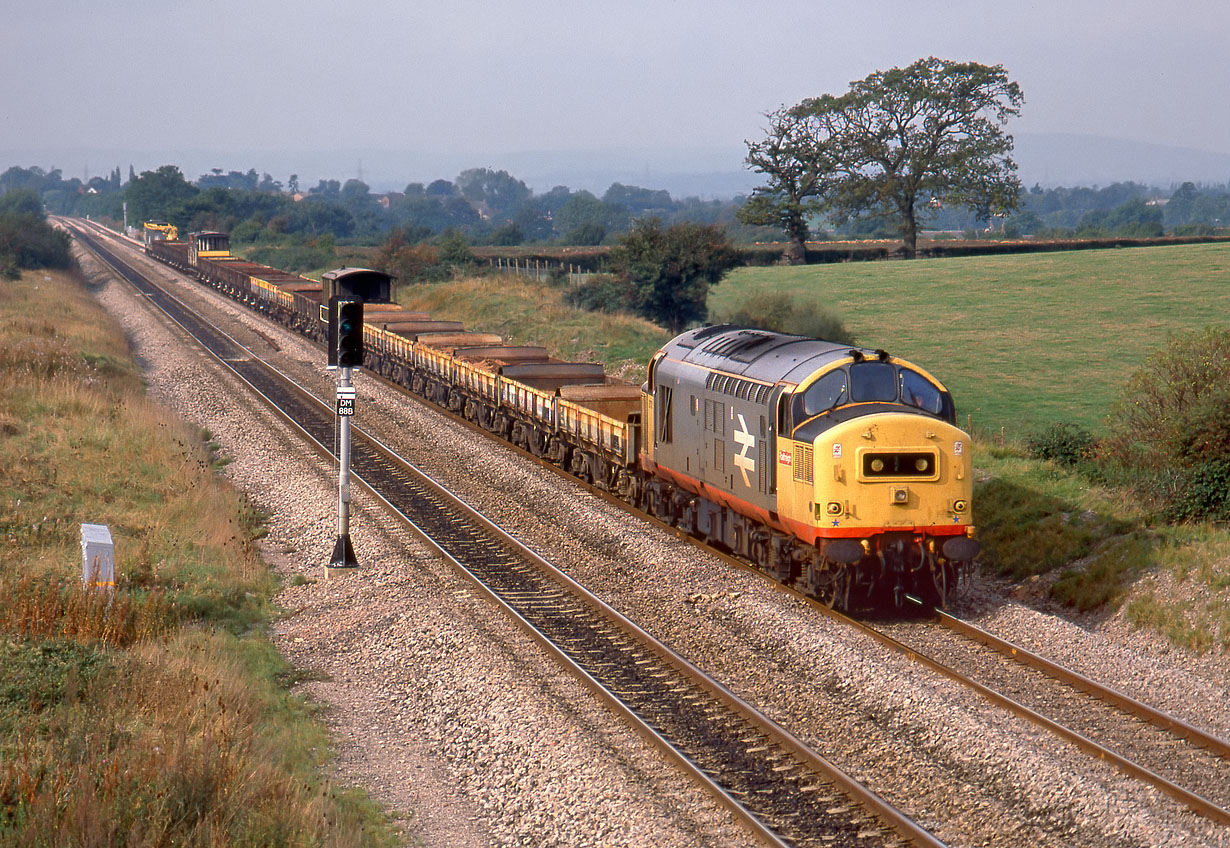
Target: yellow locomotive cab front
pixel 878 478
pixel 884 472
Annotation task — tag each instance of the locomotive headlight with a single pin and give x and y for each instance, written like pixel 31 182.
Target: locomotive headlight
pixel 834 508
pixel 901 495
pixel 922 464
pixel 960 506
pixel 877 465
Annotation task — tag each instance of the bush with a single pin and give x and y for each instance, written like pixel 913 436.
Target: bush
pixel 453 249
pixel 602 293
pixel 247 231
pixel 21 201
pixel 1065 443
pixel 409 263
pixel 31 242
pixel 1175 411
pixel 671 270
pixel 1201 493
pixel 781 313
pixel 1172 426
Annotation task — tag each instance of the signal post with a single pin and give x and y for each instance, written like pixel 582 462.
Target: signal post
pixel 345 354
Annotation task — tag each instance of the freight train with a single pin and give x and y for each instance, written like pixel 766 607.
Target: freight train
pixel 837 469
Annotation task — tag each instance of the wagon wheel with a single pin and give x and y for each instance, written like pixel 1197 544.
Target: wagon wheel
pixel 758 553
pixel 829 584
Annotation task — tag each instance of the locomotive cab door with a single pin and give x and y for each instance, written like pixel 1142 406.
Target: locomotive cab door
pixel 779 399
pixel 649 423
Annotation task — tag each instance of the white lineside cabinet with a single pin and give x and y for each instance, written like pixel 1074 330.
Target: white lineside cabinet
pixel 97 556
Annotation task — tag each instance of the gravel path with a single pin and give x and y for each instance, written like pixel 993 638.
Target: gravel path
pixel 443 709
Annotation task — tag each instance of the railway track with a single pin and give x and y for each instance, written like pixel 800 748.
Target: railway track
pixel 1187 763
pixel 781 789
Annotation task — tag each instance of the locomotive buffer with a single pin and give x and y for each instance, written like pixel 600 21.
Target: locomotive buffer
pixel 345 354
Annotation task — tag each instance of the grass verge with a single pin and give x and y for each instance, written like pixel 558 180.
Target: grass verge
pixel 525 312
pixel 154 716
pixel 1099 549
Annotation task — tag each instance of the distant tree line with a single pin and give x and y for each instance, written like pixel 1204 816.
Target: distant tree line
pixel 1122 209
pixel 486 206
pixel 490 207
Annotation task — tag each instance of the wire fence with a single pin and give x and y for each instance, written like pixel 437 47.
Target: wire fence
pixel 542 270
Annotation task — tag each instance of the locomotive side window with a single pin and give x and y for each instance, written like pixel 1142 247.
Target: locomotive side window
pixel 873 381
pixel 916 390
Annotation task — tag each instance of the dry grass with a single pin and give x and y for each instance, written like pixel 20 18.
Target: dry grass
pixel 526 312
pixel 36 609
pixel 192 761
pixel 150 715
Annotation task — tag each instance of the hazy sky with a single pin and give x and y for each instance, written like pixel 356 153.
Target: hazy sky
pixel 462 78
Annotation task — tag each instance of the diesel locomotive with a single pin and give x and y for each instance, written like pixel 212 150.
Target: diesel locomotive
pixel 837 469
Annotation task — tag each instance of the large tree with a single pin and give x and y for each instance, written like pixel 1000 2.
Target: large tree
pixel 159 195
pixel 907 137
pixel 792 194
pixel 499 191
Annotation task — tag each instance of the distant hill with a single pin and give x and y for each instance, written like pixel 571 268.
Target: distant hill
pixel 1061 159
pixel 1049 159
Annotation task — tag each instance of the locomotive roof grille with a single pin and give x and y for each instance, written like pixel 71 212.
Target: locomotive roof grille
pixel 743 389
pixel 740 343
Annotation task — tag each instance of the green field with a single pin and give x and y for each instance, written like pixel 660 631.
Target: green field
pixel 1024 340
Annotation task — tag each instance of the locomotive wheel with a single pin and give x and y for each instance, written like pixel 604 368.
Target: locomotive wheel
pixel 946 581
pixel 828 583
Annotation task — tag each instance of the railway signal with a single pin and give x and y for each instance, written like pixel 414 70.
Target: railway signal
pixel 350 334
pixel 343 552
pixel 345 333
